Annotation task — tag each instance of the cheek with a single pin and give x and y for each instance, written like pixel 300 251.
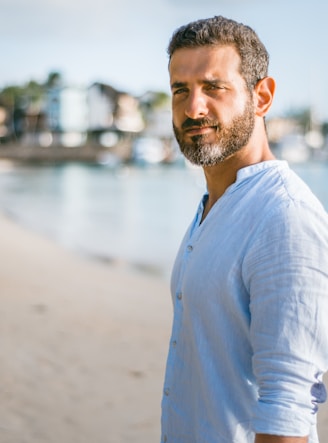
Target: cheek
pixel 232 110
pixel 177 115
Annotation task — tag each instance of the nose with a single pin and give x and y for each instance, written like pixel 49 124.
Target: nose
pixel 196 105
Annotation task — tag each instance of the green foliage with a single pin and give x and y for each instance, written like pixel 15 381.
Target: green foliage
pixel 10 96
pixel 153 100
pixel 20 97
pixel 54 79
pixel 161 99
pixel 325 128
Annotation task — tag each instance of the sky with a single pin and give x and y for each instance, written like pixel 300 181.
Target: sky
pixel 123 43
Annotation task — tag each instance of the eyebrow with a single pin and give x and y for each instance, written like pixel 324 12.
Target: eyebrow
pixel 176 85
pixel 213 81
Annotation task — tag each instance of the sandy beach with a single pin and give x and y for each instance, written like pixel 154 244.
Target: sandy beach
pixel 82 346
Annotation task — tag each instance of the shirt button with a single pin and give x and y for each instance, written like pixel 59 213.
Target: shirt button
pixel 174 343
pixel 190 248
pixel 167 391
pixel 165 438
pixel 179 295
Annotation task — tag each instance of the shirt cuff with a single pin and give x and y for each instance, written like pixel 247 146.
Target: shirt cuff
pixel 274 419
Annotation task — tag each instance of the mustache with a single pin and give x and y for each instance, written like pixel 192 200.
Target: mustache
pixel 199 123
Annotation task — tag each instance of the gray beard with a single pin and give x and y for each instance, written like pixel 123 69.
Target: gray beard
pixel 202 153
pixel 230 139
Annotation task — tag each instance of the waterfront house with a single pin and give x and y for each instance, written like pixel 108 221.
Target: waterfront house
pixel 112 114
pixel 67 114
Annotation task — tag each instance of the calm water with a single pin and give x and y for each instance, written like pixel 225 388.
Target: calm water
pixel 133 215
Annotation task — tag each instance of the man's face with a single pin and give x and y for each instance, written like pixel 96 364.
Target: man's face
pixel 213 113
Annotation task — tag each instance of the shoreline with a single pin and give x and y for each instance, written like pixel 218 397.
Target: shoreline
pixel 143 267
pixel 83 345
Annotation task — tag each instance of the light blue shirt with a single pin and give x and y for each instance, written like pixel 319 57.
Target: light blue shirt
pixel 249 340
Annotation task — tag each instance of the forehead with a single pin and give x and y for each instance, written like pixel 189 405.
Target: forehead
pixel 205 62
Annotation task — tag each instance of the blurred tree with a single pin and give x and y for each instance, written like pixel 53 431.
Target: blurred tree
pixel 33 90
pixel 10 95
pixel 21 96
pixel 24 104
pixel 160 100
pixel 152 100
pixel 54 79
pixel 325 128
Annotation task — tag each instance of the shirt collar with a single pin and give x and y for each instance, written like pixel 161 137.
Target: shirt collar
pixel 251 170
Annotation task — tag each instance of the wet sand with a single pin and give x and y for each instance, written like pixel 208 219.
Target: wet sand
pixel 82 346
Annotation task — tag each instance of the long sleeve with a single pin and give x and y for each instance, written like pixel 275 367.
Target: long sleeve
pixel 287 278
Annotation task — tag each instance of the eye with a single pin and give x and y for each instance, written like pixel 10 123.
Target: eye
pixel 214 86
pixel 179 91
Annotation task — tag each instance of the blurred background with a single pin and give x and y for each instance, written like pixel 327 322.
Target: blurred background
pixel 85 120
pixel 87 153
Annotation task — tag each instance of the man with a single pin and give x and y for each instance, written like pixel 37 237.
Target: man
pixel 249 341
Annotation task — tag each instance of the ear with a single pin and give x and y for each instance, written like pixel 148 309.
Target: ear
pixel 264 92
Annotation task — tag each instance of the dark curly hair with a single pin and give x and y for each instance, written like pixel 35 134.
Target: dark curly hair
pixel 219 30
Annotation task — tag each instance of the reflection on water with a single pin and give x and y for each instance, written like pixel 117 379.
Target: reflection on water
pixel 130 215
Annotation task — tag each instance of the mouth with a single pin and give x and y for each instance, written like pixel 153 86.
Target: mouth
pixel 200 130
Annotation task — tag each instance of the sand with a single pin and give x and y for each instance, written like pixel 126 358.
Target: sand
pixel 82 346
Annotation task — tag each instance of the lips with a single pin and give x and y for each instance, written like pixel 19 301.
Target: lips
pixel 199 130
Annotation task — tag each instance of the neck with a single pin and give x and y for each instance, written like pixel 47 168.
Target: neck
pixel 221 176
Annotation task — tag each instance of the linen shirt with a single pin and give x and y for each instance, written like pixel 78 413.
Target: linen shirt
pixel 249 340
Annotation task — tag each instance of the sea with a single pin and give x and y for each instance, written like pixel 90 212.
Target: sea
pixel 134 215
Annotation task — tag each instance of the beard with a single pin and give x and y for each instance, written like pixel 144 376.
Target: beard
pixel 229 139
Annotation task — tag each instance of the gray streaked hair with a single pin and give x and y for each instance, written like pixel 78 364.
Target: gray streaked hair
pixel 222 31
